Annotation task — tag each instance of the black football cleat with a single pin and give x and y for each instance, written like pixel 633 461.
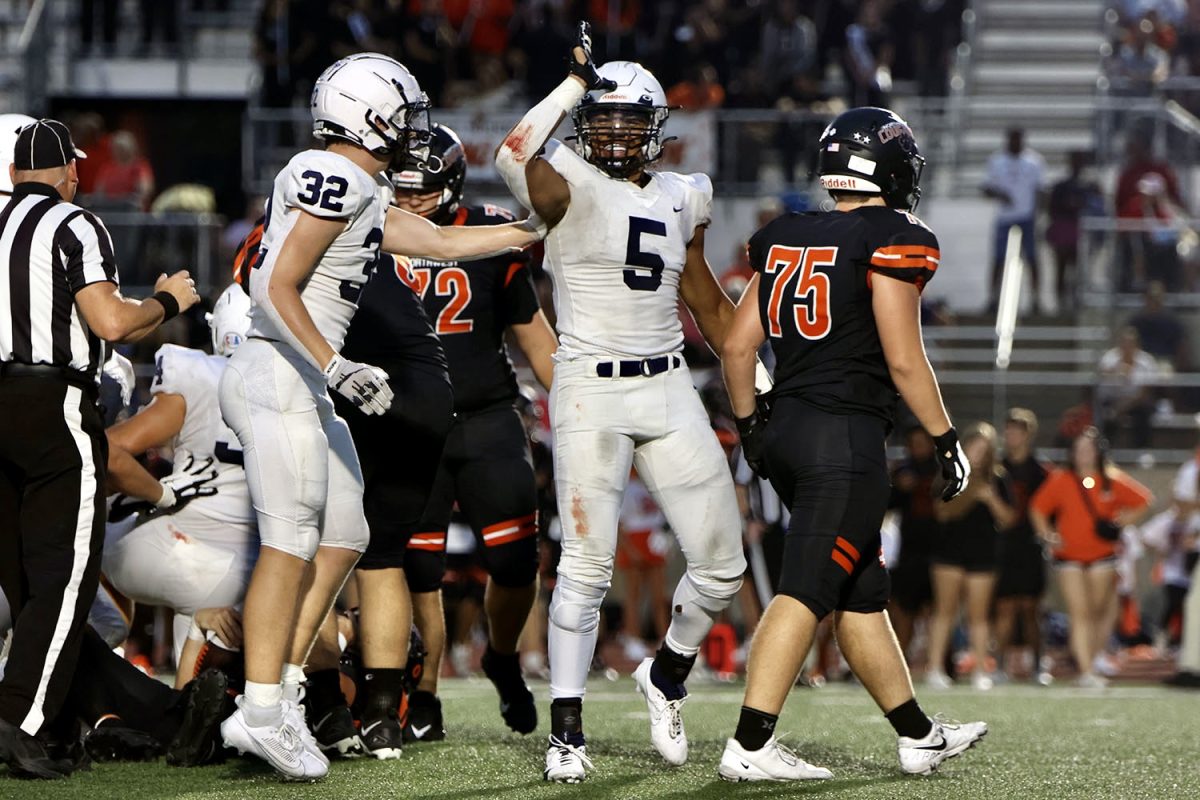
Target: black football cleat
pixel 423 718
pixel 26 756
pixel 198 740
pixel 517 706
pixel 382 734
pixel 114 741
pixel 336 734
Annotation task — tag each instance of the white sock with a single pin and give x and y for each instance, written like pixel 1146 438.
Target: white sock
pixel 264 704
pixel 293 676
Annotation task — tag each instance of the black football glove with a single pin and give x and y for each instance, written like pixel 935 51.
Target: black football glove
pixel 955 467
pixel 751 429
pixel 125 506
pixel 586 70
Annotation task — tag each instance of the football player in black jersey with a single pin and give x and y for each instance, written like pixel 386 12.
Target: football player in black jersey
pixel 486 468
pixel 838 297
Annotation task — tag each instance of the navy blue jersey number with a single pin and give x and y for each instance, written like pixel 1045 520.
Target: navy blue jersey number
pixel 635 256
pixel 351 291
pixel 323 191
pixel 227 454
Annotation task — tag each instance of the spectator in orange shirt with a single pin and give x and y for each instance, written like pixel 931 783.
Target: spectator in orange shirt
pixel 128 177
pixel 1085 499
pixel 701 89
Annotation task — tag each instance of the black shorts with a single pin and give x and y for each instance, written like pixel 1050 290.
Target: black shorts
pixel 831 471
pixel 912 589
pixel 399 453
pixel 487 470
pixel 1022 565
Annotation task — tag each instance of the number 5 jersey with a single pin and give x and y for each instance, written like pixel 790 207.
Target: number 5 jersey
pixel 616 257
pixel 814 297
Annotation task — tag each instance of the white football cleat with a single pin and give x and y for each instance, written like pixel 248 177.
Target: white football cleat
pixel 946 740
pixel 294 714
pixel 772 762
pixel 566 763
pixel 937 679
pixel 666 723
pixel 281 747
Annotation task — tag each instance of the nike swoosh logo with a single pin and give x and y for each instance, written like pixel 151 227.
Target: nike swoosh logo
pixel 744 765
pixel 419 733
pixel 941 745
pixel 371 727
pixel 677 210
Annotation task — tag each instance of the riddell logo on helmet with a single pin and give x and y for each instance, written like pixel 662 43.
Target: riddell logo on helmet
pixel 894 130
pixel 838 182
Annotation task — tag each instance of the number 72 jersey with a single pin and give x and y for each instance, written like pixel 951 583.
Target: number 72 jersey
pixel 814 299
pixel 617 255
pixel 328 186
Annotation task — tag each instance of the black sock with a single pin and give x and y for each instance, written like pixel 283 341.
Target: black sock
pixel 384 688
pixel 501 667
pixel 754 728
pixel 909 720
pixel 324 692
pixel 566 720
pixel 669 672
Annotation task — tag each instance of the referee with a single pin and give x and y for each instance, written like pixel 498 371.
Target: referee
pixel 58 302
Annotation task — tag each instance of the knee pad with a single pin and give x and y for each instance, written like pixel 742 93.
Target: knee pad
pixel 423 569
pixel 513 564
pixel 711 594
pixel 575 607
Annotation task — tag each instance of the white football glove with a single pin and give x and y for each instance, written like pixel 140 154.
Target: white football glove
pixel 189 482
pixel 120 369
pixel 363 385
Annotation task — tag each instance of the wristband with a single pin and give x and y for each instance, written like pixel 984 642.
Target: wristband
pixel 332 367
pixel 168 302
pixel 168 498
pixel 747 425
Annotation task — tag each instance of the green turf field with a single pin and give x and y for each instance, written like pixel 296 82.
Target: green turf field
pixel 1055 743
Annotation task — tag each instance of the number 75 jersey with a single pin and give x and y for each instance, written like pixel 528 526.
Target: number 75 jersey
pixel 329 186
pixel 814 299
pixel 617 255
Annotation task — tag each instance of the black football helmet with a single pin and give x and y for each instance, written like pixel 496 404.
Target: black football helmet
pixel 445 168
pixel 871 151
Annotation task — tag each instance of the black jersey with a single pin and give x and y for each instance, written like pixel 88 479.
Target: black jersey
pixel 471 304
pixel 1023 479
pixel 390 327
pixel 814 300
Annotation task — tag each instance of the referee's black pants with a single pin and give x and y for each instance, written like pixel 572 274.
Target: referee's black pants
pixel 53 457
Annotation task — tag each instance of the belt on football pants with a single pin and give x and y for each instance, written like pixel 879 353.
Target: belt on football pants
pixel 643 367
pixel 12 369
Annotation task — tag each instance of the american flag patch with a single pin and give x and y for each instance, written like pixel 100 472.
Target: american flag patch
pixel 833 147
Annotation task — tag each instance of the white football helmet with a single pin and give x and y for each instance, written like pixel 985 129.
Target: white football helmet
pixel 374 101
pixel 9 125
pixel 609 125
pixel 229 321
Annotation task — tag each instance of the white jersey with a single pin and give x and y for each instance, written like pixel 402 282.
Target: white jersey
pixel 330 186
pixel 617 255
pixel 195 375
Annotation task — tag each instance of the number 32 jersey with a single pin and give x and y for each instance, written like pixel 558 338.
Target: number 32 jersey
pixel 617 255
pixel 814 298
pixel 329 186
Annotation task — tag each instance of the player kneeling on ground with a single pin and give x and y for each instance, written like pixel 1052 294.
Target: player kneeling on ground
pixel 195 550
pixel 838 297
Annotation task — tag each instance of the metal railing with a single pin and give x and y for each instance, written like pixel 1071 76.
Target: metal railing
pixel 148 245
pixel 34 48
pixel 1118 257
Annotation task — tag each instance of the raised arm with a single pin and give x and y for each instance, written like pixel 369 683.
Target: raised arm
pixel 531 179
pixel 710 306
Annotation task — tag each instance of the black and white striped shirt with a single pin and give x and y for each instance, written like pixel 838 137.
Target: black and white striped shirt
pixel 49 250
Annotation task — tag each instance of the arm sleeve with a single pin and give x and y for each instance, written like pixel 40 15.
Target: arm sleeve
pixel 910 254
pixel 520 298
pixel 530 134
pixel 87 251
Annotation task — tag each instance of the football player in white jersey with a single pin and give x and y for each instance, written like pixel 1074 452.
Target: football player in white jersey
pixel 196 551
pixel 326 220
pixel 625 244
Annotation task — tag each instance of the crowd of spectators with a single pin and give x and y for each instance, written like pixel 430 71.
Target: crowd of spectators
pixel 1150 42
pixel 752 54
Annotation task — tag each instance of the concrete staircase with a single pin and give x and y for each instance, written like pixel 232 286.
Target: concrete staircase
pixel 1034 65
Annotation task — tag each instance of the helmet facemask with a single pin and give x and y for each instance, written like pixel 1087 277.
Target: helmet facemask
pixel 620 139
